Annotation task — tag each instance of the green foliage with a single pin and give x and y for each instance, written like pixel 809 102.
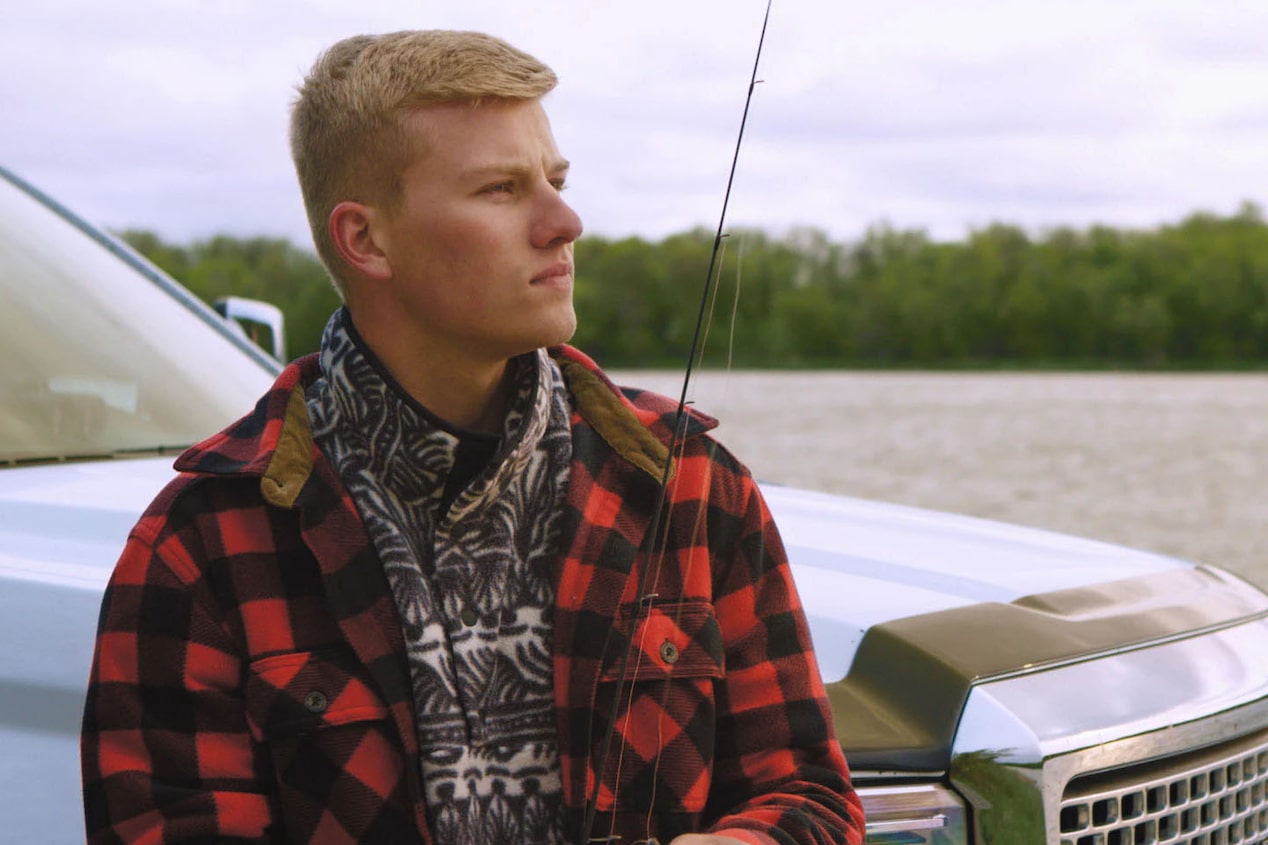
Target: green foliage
pixel 1192 295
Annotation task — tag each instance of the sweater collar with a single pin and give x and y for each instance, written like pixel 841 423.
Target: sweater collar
pixel 377 417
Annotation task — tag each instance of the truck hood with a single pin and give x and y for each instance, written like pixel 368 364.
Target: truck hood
pixel 857 563
pixel 62 526
pixel 896 598
pixel 66 523
pixel 901 599
pixel 860 563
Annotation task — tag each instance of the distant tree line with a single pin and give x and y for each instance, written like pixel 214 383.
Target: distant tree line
pixel 1189 295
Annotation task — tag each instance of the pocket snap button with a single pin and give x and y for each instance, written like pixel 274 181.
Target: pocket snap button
pixel 668 652
pixel 469 617
pixel 316 702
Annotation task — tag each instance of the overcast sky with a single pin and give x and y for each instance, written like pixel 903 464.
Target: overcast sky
pixel 942 115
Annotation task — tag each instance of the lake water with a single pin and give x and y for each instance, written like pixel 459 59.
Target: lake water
pixel 1176 464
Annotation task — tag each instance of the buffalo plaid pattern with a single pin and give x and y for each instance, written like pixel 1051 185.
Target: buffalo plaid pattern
pixel 722 723
pixel 250 684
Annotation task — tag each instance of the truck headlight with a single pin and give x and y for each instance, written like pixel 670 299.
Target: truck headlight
pixel 924 814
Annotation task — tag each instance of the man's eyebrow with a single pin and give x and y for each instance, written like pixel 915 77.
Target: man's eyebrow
pixel 517 168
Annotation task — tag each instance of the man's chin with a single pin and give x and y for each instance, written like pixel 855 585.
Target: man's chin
pixel 543 339
pixel 562 332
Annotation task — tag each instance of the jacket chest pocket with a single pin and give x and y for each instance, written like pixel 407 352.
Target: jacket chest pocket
pixel 660 750
pixel 327 735
pixel 300 692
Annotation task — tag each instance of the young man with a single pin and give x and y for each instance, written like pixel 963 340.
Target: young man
pixel 398 602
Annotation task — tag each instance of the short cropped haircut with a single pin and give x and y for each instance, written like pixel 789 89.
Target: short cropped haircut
pixel 348 139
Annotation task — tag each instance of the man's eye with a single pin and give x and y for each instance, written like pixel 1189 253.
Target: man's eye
pixel 500 188
pixel 560 185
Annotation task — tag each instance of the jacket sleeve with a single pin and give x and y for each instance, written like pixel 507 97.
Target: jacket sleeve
pixel 779 772
pixel 166 751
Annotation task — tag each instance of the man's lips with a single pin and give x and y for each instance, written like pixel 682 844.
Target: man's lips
pixel 555 273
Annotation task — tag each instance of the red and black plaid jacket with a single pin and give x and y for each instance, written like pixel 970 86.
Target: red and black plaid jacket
pixel 250 681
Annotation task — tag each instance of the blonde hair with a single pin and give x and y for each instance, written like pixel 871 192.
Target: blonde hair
pixel 347 123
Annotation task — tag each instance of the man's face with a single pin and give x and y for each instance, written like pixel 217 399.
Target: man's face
pixel 480 244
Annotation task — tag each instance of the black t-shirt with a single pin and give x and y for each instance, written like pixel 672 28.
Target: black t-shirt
pixel 475 450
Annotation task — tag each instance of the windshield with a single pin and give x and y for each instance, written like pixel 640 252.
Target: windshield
pixel 97 359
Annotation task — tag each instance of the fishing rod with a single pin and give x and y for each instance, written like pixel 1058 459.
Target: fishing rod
pixel 675 440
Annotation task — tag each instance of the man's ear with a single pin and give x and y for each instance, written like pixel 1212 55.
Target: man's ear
pixel 352 232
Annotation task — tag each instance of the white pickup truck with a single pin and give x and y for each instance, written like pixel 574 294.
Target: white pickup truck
pixel 991 684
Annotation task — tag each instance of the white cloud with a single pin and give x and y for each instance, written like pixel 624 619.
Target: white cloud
pixel 927 114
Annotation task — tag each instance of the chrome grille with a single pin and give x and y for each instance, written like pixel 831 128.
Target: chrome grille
pixel 1218 796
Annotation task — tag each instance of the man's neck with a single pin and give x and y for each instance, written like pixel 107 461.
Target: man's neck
pixel 473 399
pixel 468 393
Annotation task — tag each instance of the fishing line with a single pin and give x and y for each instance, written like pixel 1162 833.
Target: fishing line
pixel 675 444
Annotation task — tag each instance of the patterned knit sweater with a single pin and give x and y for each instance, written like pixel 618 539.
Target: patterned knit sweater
pixel 471 579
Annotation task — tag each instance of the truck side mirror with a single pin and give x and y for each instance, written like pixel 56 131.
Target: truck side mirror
pixel 259 321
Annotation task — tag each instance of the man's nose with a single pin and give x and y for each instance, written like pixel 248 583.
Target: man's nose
pixel 556 222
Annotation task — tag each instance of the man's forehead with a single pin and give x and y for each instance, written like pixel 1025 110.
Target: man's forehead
pixel 488 136
pixel 465 118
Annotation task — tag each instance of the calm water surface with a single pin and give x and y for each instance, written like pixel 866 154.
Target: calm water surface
pixel 1176 464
